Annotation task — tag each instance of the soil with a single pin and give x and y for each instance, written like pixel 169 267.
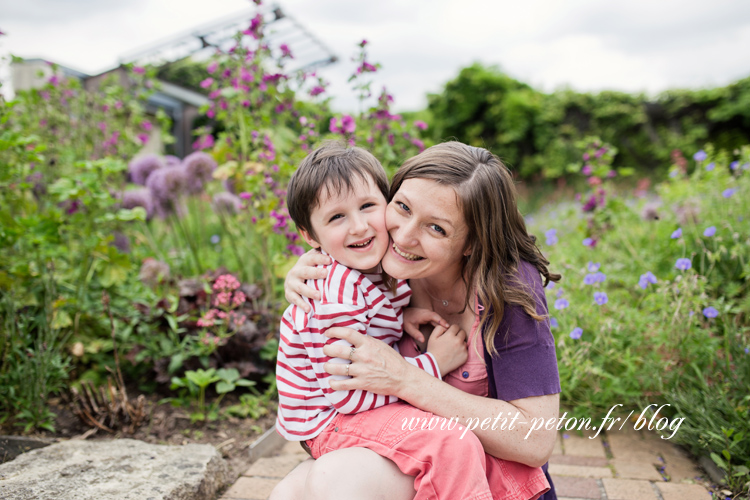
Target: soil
pixel 166 424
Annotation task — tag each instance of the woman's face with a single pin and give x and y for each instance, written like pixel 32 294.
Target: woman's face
pixel 427 229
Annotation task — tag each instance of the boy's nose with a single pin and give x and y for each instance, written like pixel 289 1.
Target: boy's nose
pixel 359 225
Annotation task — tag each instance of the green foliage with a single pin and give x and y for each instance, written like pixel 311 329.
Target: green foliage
pixel 192 390
pixel 677 336
pixel 536 133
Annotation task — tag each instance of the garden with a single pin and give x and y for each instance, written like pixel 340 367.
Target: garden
pixel 141 293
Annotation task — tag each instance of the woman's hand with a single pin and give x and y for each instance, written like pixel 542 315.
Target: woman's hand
pixel 449 348
pixel 305 269
pixel 375 367
pixel 414 317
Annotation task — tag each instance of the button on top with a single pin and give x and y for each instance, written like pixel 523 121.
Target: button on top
pixel 465 374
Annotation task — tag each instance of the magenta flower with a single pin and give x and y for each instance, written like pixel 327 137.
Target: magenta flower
pixel 363 43
pixel 143 138
pixel 54 80
pixel 420 125
pixel 139 70
pixel 295 250
pixel 207 82
pixel 285 52
pixel 317 90
pixel 147 126
pixel 212 67
pixel 586 170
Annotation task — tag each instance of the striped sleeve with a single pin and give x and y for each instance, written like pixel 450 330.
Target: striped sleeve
pixel 426 362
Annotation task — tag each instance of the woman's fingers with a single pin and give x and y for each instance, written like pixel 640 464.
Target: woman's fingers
pixel 354 337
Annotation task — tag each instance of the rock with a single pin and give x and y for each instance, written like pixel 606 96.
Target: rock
pixel 119 469
pixel 12 446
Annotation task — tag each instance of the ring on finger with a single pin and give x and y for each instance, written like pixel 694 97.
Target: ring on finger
pixel 347 370
pixel 351 353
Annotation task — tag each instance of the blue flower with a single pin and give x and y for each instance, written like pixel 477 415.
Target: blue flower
pixel 215 239
pixel 589 279
pixel 561 304
pixel 550 285
pixel 576 333
pixel 734 165
pixel 600 277
pixel 710 231
pixel 710 166
pixel 700 155
pixel 553 323
pixel 600 298
pixel 710 312
pixel 677 233
pixel 645 279
pixel 593 267
pixel 729 192
pixel 747 350
pixel 683 264
pixel 587 242
pixel 551 235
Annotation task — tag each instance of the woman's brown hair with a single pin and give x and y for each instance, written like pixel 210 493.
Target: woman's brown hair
pixel 497 236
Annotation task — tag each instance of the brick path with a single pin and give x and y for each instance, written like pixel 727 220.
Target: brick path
pixel 629 465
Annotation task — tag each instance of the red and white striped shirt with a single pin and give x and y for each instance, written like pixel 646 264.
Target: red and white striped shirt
pixel 351 299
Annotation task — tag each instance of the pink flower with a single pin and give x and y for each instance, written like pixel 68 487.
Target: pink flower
pixel 245 195
pixel 222 299
pixel 363 43
pixel 147 126
pixel 420 125
pixel 246 76
pixel 143 138
pixel 586 170
pixel 118 105
pixel 212 67
pixel 238 299
pixel 139 70
pixel 207 82
pixel 296 250
pixel 44 94
pixel 317 90
pixel 285 52
pixel 54 80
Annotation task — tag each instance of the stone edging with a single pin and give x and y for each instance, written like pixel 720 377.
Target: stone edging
pixel 269 442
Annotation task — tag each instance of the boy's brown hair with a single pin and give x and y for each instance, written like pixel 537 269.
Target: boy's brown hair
pixel 332 167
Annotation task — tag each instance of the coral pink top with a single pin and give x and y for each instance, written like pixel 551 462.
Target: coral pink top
pixel 471 377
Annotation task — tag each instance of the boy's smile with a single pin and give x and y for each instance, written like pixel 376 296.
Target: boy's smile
pixel 350 225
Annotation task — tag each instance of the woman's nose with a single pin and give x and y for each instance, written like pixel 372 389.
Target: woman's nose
pixel 405 234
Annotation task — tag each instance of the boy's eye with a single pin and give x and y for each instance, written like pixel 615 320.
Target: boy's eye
pixel 367 205
pixel 333 218
pixel 437 229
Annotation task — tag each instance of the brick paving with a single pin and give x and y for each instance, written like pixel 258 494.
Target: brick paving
pixel 621 465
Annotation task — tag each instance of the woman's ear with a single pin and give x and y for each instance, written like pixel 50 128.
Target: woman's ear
pixel 309 239
pixel 467 252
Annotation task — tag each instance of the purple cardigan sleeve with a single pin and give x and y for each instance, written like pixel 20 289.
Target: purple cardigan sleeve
pixel 525 364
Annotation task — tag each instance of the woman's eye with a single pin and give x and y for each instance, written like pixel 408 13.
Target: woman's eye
pixel 402 206
pixel 437 229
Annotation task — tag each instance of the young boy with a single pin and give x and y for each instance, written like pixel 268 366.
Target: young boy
pixel 337 199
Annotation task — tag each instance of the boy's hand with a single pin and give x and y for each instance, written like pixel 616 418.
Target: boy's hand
pixel 305 269
pixel 414 317
pixel 449 348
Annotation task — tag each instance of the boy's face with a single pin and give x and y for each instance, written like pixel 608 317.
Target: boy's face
pixel 350 226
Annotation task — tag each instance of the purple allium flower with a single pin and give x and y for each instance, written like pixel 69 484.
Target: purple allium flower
pixel 199 168
pixel 645 279
pixel 683 264
pixel 734 165
pixel 710 312
pixel 553 323
pixel 138 198
pixel 561 304
pixel 710 166
pixel 226 203
pixel 593 266
pixel 167 186
pixel 420 125
pixel 172 161
pixel 142 167
pixel 710 231
pixel 728 193
pixel 551 235
pixel 576 333
pixel 215 239
pixel 601 298
pixel 700 156
pixel 677 233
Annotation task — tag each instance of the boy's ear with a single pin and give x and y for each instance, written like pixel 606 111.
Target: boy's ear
pixel 309 239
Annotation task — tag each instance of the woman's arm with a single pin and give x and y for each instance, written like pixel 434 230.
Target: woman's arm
pixel 305 269
pixel 380 369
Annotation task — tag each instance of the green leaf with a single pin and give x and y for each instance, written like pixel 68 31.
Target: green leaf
pixel 223 387
pixel 718 461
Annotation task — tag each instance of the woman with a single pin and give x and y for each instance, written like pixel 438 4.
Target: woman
pixel 458 236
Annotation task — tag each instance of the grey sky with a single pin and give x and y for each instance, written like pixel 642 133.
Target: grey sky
pixel 634 45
